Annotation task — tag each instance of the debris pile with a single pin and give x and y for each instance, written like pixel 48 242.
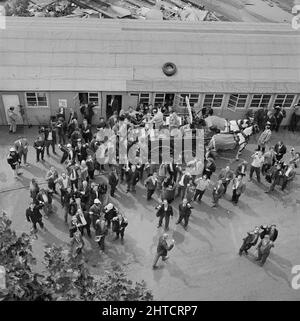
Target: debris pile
pixel 180 10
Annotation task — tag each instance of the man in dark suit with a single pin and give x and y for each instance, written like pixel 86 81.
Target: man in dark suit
pixel 242 169
pixel 86 130
pixel 62 127
pixel 162 249
pixel 132 177
pixel 113 180
pixel 151 184
pixel 68 153
pixel 280 150
pixel 39 145
pixel 238 188
pixel 185 210
pixel 81 151
pixel 250 240
pixel 34 216
pixel 164 211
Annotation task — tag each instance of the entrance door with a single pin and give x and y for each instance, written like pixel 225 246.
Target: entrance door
pixel 12 101
pixel 113 103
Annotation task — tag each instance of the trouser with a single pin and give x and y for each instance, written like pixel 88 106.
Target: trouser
pixel 112 190
pixel 87 138
pixel 257 172
pixel 86 227
pixel 216 200
pixel 181 191
pixel 13 127
pixel 198 194
pixel 101 243
pixel 51 185
pixel 91 174
pixel 48 144
pixel 74 183
pixel 285 182
pixel 40 152
pixel 235 196
pixel 150 192
pixel 185 218
pixel 120 233
pixel 130 186
pixel 262 257
pixel 24 155
pixel 40 222
pixel 167 219
pixel 225 184
pixel 157 256
pixel 62 139
pixel 67 209
pixel 62 196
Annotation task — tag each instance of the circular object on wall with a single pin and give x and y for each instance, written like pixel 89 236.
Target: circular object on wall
pixel 169 69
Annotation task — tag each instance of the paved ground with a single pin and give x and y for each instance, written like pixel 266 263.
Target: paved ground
pixel 204 264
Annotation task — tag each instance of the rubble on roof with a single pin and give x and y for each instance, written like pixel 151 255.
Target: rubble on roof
pixel 180 10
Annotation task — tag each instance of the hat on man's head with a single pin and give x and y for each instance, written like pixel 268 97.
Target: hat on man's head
pixel 97 201
pixel 69 145
pixel 109 206
pixel 12 149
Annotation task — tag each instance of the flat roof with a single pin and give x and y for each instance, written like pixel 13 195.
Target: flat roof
pixel 73 54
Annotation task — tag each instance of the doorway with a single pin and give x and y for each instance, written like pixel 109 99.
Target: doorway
pixel 113 103
pixel 12 101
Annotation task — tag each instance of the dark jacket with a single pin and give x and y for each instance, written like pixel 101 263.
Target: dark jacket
pixel 132 177
pixel 149 184
pixel 65 155
pixel 39 144
pixel 162 247
pixel 35 214
pixel 81 152
pixel 117 225
pixel 185 210
pixel 13 159
pixel 162 212
pixel 280 151
pixel 239 170
pixel 113 179
pixel 86 132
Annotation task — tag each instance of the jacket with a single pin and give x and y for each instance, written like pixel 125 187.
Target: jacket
pixel 264 137
pixel 225 176
pixel 240 189
pixel 162 212
pixel 162 247
pixel 239 170
pixel 21 146
pixel 117 225
pixel 149 184
pixel 35 214
pixel 185 210
pixel 132 177
pixel 218 192
pixel 113 179
pixel 265 247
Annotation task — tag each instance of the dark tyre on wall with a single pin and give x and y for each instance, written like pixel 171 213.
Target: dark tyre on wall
pixel 169 69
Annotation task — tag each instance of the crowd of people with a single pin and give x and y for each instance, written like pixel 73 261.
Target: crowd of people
pixel 89 207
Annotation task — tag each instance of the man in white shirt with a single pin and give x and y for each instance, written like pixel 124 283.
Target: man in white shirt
pixel 256 164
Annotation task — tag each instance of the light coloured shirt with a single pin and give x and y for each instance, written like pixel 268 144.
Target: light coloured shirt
pixel 257 161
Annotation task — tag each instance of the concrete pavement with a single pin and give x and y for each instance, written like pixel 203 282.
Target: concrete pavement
pixel 204 265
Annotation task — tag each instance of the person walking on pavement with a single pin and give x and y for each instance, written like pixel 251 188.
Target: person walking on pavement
pixel 113 181
pixel 13 159
pixel 201 185
pixel 242 169
pixel 151 185
pixel 264 249
pixel 218 192
pixel 164 211
pixel 185 210
pixel 256 165
pixel 101 232
pixel 34 216
pixel 119 223
pixel 238 188
pixel 39 146
pixel 21 146
pixel 226 175
pixel 162 249
pixel 132 177
pixel 250 240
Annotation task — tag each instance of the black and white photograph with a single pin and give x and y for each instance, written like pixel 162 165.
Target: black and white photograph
pixel 150 152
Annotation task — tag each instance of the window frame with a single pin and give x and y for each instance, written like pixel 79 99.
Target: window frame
pixel 36 97
pixel 238 98
pixel 213 100
pixel 284 100
pixel 260 102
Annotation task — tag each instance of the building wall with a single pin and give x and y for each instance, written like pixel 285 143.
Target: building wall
pixel 41 115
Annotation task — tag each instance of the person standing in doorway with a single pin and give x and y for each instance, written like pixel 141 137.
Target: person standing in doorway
pixel 12 119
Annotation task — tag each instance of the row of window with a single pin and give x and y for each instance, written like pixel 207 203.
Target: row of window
pixel 39 99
